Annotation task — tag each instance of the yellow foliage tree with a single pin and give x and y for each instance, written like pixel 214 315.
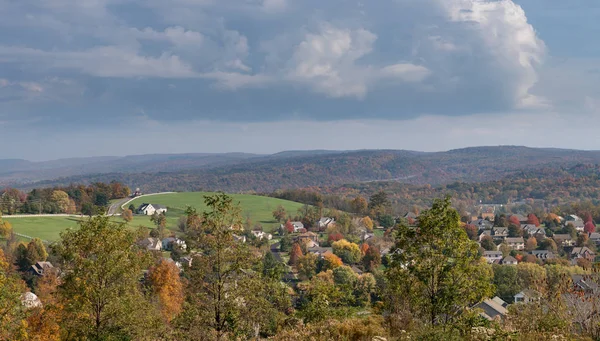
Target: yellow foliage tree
pixel 61 199
pixel 367 223
pixel 331 261
pixel 167 285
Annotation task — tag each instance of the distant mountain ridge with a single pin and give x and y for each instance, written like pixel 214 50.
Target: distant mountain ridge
pixel 238 172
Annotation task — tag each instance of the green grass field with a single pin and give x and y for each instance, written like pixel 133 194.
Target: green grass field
pixel 258 208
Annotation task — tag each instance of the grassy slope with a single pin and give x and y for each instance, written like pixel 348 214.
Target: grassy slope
pixel 258 208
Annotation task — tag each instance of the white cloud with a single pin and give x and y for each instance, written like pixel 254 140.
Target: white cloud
pixel 274 5
pixel 176 35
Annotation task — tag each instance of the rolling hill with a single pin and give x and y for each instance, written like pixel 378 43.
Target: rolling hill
pixel 333 168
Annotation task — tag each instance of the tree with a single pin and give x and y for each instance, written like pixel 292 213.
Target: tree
pixel 582 240
pixel 487 243
pixel 514 220
pixel 506 281
pixel 363 248
pixel 166 285
pixel 271 267
pixel 515 230
pixel 439 268
pixel 100 289
pixel 289 227
pixel 224 296
pixel 531 276
pixel 365 286
pixel 531 244
pixel 359 205
pixel 295 254
pixel 279 214
pixel 379 204
pixel 589 227
pixel 471 231
pixel 29 254
pixel 12 312
pixel 127 215
pixel 371 259
pixel 5 228
pixel 131 208
pixel 159 219
pixel 334 237
pixel 367 223
pixel 347 251
pixel 387 221
pixel 330 262
pixel 61 199
pixel 533 219
pixel 307 265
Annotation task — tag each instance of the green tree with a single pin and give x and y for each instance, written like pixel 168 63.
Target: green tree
pixel 271 267
pixel 347 251
pixel 515 230
pixel 12 312
pixel 506 280
pixel 439 267
pixel 27 255
pixel 359 205
pixel 132 208
pixel 225 296
pixel 487 243
pixel 61 199
pixel 280 214
pixel 379 204
pixel 307 265
pixel 100 290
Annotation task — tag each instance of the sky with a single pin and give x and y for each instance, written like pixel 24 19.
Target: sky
pixel 122 77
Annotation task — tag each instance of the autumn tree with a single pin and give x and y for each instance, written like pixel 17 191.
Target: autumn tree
pixel 159 219
pixel 279 213
pixel 363 248
pixel 12 312
pixel 379 204
pixel 289 227
pixel 29 254
pixel 127 215
pixel 100 290
pixel 533 220
pixel 514 220
pixel 330 262
pixel 515 230
pixel 359 205
pixel 367 223
pixel 62 201
pixel 295 254
pixel 471 231
pixel 531 244
pixel 166 285
pixel 589 227
pixel 372 259
pixel 439 269
pixel 347 251
pixel 307 265
pixel 5 228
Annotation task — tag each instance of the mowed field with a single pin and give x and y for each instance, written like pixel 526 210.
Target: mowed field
pixel 258 209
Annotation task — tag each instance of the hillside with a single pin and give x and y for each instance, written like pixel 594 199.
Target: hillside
pixel 258 208
pixel 304 169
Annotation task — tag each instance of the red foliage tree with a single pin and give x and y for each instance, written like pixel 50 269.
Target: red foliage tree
pixel 289 226
pixel 589 227
pixel 334 237
pixel 364 248
pixel 587 217
pixel 532 219
pixel 514 220
pixel 472 231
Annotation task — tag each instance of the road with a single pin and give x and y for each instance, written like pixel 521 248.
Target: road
pixel 275 252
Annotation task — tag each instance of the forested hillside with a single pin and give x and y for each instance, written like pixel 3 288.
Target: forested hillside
pixel 324 169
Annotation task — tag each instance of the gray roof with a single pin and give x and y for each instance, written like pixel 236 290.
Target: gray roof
pixel 509 259
pixel 515 240
pixel 492 253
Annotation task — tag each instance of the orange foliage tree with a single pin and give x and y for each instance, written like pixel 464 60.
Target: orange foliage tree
pixel 295 254
pixel 166 283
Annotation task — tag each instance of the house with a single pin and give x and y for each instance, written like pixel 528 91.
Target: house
pixel 492 256
pixel 579 225
pixel 168 243
pixel 325 222
pixel 306 237
pixel 261 235
pixel 186 261
pixel 151 244
pixel 492 309
pixel 150 209
pixel 542 254
pixel 357 270
pixel 509 260
pixel 499 233
pixel 482 224
pixel 241 239
pixel 527 296
pixel 572 217
pixel 582 252
pixel 564 240
pixel 522 219
pixel 586 283
pixel 298 226
pixel 533 230
pixel 517 243
pixel 366 236
pixel 595 237
pixel 39 268
pixel 410 215
pixel 320 251
pixel 484 234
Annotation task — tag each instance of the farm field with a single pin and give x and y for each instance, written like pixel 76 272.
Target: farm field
pixel 258 208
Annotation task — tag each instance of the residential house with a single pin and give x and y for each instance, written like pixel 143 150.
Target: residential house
pixel 499 233
pixel 509 260
pixel 572 217
pixel 325 222
pixel 320 251
pixel 357 270
pixel 168 243
pixel 516 243
pixel 542 254
pixel 366 236
pixel 482 224
pixel 533 230
pixel 410 215
pixel 39 268
pixel 484 234
pixel 150 209
pixel 186 260
pixel 492 309
pixel 492 256
pixel 261 235
pixel 564 240
pixel 298 226
pixel 151 244
pixel 527 296
pixel 579 225
pixel 306 237
pixel 241 239
pixel 582 252
pixel 595 237
pixel 586 283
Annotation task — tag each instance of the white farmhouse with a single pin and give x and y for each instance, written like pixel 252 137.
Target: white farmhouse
pixel 150 209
